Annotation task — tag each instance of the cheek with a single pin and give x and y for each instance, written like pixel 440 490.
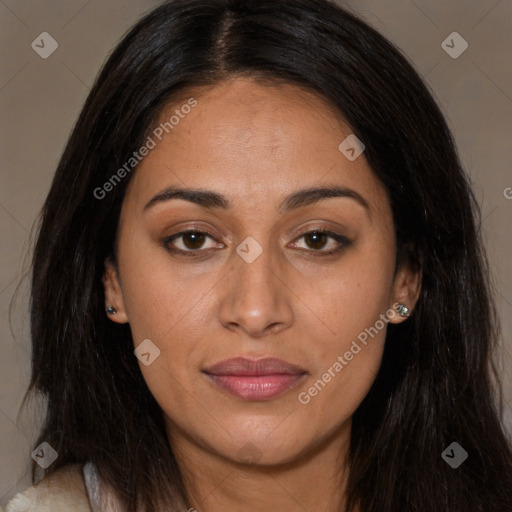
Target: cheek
pixel 166 306
pixel 334 396
pixel 347 365
pixel 160 298
pixel 353 297
pixel 354 306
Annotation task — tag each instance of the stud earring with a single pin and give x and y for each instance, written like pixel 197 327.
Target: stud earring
pixel 403 310
pixel 111 310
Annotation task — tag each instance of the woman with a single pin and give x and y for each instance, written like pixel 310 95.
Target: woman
pixel 258 279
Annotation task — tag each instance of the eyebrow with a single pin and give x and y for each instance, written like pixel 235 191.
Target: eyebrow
pixel 301 198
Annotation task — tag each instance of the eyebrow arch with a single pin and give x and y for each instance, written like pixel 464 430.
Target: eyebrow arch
pixel 209 199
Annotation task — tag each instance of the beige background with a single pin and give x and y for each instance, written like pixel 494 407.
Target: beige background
pixel 40 100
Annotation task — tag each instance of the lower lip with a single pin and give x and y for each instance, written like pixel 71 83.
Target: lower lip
pixel 253 388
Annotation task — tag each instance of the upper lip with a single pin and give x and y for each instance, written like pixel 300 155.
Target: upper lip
pixel 254 367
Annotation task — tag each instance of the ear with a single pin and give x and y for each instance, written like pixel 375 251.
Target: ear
pixel 406 291
pixel 113 293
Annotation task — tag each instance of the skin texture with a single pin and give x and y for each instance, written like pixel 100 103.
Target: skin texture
pixel 256 144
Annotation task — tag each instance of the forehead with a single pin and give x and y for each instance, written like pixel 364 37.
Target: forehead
pixel 249 140
pixel 241 114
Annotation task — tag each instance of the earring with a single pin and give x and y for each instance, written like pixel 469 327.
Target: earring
pixel 111 310
pixel 403 310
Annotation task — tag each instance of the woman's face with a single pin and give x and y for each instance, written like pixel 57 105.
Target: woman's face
pixel 251 282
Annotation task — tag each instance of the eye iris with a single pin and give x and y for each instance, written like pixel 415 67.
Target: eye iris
pixel 197 240
pixel 319 240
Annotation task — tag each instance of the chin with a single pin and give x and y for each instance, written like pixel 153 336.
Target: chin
pixel 249 447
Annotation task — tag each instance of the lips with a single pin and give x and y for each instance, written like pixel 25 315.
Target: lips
pixel 251 367
pixel 255 380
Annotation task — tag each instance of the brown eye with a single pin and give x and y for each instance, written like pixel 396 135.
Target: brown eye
pixel 191 242
pixel 316 240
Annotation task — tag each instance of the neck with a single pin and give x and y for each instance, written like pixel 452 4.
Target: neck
pixel 313 480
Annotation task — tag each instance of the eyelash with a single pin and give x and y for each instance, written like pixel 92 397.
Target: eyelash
pixel 345 242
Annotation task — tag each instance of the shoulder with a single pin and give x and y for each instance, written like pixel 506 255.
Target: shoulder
pixel 61 491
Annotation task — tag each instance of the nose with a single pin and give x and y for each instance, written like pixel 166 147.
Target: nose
pixel 257 300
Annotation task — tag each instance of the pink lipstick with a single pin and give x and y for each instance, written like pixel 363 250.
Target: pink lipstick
pixel 255 380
